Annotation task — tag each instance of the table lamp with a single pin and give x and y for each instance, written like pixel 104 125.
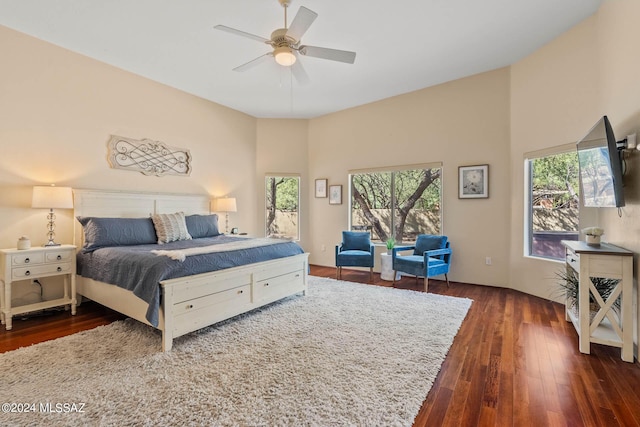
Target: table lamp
pixel 52 197
pixel 226 205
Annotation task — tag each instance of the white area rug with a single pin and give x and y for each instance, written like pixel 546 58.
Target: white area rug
pixel 345 354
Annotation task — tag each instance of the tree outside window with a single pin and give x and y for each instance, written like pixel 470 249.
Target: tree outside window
pixel 553 204
pixel 397 204
pixel 282 207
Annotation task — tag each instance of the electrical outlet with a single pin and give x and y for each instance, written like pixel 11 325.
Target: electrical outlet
pixel 487 260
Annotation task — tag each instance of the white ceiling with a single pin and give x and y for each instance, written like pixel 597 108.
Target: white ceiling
pixel 401 46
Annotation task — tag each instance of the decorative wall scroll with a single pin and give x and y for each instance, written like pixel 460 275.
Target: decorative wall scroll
pixel 147 156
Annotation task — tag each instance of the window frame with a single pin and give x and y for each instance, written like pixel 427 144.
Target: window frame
pixel 528 197
pixel 393 170
pixel 283 175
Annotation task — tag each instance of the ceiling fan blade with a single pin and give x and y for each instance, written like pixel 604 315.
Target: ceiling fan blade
pixel 299 72
pixel 259 60
pixel 331 54
pixel 241 33
pixel 301 23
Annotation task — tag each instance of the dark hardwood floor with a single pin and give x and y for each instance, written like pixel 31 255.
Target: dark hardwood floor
pixel 55 324
pixel 514 362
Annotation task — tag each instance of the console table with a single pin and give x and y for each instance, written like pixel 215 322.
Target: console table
pixel 607 327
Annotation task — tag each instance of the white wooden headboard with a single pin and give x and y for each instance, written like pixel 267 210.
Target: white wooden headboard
pixel 119 204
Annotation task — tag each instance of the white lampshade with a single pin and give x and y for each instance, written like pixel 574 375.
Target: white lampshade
pixel 51 197
pixel 224 204
pixel 284 56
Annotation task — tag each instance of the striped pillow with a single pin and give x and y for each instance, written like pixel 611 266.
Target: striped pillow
pixel 170 227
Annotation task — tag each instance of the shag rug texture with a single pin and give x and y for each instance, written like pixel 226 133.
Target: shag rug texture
pixel 344 354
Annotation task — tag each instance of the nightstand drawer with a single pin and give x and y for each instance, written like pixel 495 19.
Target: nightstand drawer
pixel 58 256
pixel 573 260
pixel 40 270
pixel 27 258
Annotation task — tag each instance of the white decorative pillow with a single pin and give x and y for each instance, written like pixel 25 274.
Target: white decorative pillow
pixel 170 227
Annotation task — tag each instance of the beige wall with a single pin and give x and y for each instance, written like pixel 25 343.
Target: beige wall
pixel 554 101
pixel 464 122
pixel 282 148
pixel 58 110
pixel 557 94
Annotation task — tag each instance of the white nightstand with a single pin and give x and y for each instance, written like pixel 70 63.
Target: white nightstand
pixel 36 263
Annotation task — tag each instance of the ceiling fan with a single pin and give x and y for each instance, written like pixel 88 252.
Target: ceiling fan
pixel 286 44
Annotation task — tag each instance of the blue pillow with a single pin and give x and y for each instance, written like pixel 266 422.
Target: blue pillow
pixel 202 225
pixel 427 242
pixel 107 232
pixel 356 241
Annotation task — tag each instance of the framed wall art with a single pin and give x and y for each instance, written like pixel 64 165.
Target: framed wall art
pixel 473 182
pixel 335 194
pixel 321 187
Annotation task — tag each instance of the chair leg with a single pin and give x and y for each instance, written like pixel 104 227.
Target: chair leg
pixel 448 285
pixel 338 273
pixel 426 284
pixel 393 283
pixel 371 274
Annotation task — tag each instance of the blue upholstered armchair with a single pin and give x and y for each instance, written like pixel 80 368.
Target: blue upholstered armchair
pixel 431 257
pixel 355 250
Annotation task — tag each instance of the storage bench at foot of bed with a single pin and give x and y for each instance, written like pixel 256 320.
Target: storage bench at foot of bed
pixel 191 303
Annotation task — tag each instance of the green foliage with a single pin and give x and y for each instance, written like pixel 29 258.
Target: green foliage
pixel 282 196
pixel 406 183
pixel 390 243
pixel 375 188
pixel 286 193
pixel 568 287
pixel 556 178
pixel 386 199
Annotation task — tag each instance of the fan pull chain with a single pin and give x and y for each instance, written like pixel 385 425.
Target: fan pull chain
pixel 291 90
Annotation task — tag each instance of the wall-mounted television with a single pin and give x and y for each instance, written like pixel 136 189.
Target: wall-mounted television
pixel 600 167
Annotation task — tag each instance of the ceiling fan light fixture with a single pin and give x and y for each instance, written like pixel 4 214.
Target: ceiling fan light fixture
pixel 284 56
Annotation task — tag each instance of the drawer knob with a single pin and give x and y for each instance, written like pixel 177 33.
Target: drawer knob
pixel 59 269
pixel 189 306
pixel 240 291
pixel 26 260
pixel 27 273
pixel 266 284
pixel 59 257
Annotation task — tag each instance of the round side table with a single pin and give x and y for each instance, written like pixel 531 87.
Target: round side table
pixel 386 273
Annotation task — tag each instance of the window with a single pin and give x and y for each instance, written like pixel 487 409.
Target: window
pixel 282 206
pixel 552 204
pixel 398 204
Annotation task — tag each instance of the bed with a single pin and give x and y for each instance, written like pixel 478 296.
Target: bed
pixel 183 299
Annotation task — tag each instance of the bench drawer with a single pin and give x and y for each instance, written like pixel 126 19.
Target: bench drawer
pixel 278 287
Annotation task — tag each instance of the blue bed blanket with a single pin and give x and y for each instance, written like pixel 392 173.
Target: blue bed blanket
pixel 139 270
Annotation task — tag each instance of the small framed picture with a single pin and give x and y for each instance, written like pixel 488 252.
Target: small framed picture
pixel 335 194
pixel 473 182
pixel 321 188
